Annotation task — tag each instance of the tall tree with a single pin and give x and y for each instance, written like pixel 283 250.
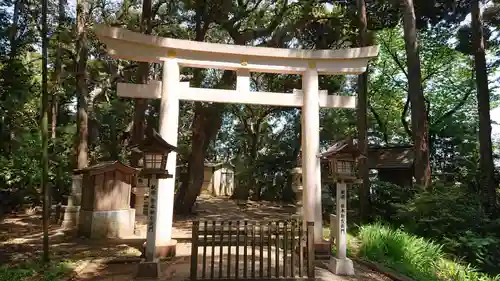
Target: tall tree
pixel 487 180
pixel 82 8
pixel 419 116
pixel 56 87
pixel 142 78
pixel 45 136
pixel 208 117
pixel 362 112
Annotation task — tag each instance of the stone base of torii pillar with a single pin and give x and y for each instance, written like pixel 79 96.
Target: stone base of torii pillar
pixel 343 266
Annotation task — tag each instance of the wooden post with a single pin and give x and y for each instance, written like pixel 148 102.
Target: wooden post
pixel 269 240
pixel 237 250
pixel 229 250
pixel 212 260
pixel 261 260
pixel 301 250
pixel 245 257
pixel 310 249
pixel 253 250
pixel 277 252
pixel 205 230
pixel 194 250
pixel 221 252
pixel 285 247
pixel 292 249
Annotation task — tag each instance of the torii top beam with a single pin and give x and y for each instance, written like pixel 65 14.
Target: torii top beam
pixel 129 45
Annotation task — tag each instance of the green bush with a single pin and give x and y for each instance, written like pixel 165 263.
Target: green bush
pixel 413 256
pixel 53 271
pixel 453 216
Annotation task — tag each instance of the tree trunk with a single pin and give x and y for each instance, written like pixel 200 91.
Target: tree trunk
pixel 206 123
pixel 54 104
pixel 487 180
pixel 362 122
pixel 81 85
pixel 141 105
pixel 45 136
pixel 419 121
pixel 14 29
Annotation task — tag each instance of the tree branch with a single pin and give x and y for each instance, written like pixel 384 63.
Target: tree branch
pixel 395 58
pixel 460 104
pixel 380 123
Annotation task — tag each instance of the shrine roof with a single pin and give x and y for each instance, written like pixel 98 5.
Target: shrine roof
pixel 396 157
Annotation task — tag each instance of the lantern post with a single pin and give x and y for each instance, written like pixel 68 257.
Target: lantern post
pixel 342 158
pixel 154 150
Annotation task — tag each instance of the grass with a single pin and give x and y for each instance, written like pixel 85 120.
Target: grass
pixel 36 270
pixel 415 257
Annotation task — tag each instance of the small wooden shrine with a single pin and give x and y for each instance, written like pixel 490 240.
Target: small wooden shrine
pixel 105 208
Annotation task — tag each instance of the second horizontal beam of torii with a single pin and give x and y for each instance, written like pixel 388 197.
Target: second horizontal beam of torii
pixel 153 90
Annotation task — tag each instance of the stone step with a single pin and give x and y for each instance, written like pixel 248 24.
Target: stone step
pixel 322 257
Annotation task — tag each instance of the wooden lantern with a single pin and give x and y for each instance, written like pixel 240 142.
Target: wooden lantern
pixel 342 158
pixel 154 150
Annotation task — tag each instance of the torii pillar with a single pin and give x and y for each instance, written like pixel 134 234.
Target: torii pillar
pixel 169 120
pixel 311 170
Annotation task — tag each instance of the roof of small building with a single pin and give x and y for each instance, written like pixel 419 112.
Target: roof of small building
pixel 226 163
pixel 395 157
pixel 107 166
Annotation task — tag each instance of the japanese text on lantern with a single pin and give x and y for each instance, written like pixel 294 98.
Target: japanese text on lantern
pixel 152 208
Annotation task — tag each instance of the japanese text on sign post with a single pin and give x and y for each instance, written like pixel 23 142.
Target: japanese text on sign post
pixel 152 208
pixel 342 211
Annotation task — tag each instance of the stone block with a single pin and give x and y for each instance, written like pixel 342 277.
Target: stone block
pixel 70 217
pixel 107 224
pixel 164 250
pixel 148 269
pixel 341 266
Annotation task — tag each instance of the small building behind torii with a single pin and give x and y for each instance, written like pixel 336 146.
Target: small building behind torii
pixel 393 164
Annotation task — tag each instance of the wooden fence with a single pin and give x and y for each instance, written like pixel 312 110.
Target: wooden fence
pixel 245 250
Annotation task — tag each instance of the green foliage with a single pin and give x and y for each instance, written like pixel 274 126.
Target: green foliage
pixel 416 257
pixel 53 271
pixel 410 255
pixel 387 199
pixel 449 214
pixel 454 217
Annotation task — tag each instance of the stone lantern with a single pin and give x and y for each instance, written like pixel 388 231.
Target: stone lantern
pixel 342 159
pixel 298 189
pixel 154 150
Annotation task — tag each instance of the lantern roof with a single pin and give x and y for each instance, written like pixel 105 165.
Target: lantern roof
pixel 346 146
pixel 153 142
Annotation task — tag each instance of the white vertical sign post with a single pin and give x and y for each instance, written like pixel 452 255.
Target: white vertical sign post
pixel 341 265
pixel 152 214
pixel 341 224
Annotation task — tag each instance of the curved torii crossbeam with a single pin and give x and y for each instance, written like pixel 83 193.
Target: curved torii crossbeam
pixel 175 53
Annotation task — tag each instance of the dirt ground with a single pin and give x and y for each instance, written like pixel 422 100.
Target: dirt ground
pixel 105 260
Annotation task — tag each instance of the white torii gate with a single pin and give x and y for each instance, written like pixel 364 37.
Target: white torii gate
pixel 175 53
